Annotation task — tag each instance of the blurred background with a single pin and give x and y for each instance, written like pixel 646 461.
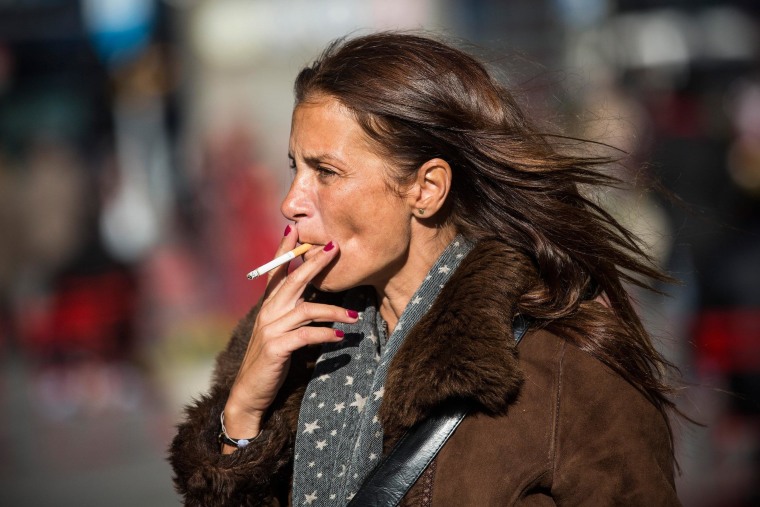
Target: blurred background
pixel 143 157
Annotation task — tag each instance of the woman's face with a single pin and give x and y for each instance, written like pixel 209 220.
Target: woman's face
pixel 340 192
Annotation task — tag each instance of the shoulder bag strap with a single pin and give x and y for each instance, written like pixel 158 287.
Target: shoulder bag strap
pixel 389 481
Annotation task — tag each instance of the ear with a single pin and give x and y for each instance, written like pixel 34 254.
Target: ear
pixel 430 188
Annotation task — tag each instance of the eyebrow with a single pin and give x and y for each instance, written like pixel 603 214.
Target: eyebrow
pixel 318 158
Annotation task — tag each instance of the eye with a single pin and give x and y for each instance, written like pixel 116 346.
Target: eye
pixel 325 172
pixel 291 162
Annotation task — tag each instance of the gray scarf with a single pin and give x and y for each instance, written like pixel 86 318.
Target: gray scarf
pixel 339 438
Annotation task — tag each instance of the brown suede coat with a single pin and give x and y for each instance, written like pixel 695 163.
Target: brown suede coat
pixel 553 426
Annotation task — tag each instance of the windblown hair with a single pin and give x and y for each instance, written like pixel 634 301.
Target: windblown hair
pixel 417 99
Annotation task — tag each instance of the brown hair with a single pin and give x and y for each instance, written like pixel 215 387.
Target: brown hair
pixel 418 99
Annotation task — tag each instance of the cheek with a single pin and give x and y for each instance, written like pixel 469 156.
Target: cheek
pixel 379 236
pixel 368 221
pixel 373 245
pixel 348 213
pixel 375 220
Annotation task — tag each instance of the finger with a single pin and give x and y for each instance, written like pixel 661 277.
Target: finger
pixel 296 281
pixel 306 313
pixel 288 242
pixel 301 337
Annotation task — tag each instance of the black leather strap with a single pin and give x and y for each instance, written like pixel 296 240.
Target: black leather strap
pixel 519 327
pixel 387 484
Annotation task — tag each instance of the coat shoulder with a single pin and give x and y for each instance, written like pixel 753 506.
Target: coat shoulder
pixel 611 443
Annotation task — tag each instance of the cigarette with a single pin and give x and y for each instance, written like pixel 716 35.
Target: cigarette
pixel 279 261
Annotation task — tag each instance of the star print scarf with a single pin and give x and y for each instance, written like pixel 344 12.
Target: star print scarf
pixel 339 439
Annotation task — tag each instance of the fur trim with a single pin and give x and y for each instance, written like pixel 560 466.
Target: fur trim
pixel 463 347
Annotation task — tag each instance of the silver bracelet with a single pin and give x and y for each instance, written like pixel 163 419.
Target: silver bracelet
pixel 240 443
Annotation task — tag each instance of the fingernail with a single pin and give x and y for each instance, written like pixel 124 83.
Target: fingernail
pixel 329 246
pixel 287 230
pixel 352 313
pixel 339 333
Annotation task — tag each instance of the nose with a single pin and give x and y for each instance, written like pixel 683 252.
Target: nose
pixel 296 204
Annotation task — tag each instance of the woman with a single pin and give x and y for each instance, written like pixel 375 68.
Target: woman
pixel 438 214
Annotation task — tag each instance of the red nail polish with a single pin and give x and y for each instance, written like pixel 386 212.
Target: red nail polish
pixel 352 313
pixel 287 230
pixel 339 333
pixel 328 247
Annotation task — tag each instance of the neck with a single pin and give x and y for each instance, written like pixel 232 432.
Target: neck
pixel 395 295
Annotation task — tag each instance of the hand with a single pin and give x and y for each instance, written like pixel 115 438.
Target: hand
pixel 281 327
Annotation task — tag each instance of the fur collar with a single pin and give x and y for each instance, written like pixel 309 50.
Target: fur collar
pixel 463 348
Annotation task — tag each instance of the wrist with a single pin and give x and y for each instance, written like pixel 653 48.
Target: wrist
pixel 240 423
pixel 233 442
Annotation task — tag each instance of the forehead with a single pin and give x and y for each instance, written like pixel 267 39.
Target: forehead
pixel 324 124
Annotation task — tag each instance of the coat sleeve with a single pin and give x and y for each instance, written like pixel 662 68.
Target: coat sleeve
pixel 611 445
pixel 255 475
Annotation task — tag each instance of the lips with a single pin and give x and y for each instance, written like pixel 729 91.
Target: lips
pixel 302 240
